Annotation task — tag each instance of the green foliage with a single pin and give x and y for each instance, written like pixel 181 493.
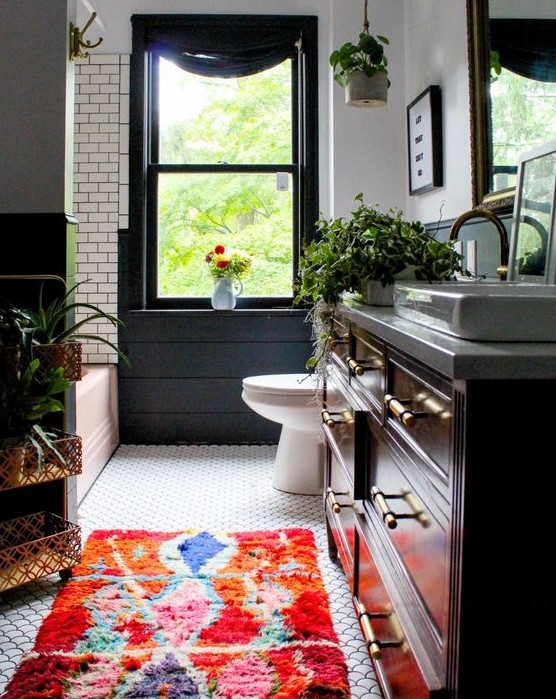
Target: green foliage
pixel 523 116
pixel 48 323
pixel 246 120
pixel 26 397
pixel 370 245
pixel 367 56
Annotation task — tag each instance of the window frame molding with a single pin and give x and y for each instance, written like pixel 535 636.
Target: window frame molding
pixel 142 194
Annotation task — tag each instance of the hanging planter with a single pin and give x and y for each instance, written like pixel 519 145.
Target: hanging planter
pixel 362 69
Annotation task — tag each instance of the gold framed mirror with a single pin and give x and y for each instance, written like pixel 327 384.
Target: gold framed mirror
pixel 486 106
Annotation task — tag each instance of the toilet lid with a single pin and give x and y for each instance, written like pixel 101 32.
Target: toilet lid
pixel 298 384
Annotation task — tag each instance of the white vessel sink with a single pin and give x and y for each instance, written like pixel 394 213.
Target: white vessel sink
pixel 486 311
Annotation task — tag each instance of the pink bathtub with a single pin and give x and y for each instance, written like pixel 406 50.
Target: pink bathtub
pixel 96 420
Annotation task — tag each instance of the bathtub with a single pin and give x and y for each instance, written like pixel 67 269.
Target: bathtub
pixel 96 420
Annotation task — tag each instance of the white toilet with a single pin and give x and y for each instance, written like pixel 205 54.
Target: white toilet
pixel 294 400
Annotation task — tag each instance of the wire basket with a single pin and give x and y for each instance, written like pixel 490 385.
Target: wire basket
pixel 36 545
pixel 21 465
pixel 67 355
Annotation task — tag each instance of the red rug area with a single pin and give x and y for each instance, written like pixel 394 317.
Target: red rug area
pixel 174 615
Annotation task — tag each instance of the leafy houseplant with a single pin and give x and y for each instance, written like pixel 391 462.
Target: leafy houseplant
pixel 362 69
pixel 367 56
pixel 25 399
pixel 369 246
pixel 47 323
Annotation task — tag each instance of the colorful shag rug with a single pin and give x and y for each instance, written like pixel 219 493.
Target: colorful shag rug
pixel 175 615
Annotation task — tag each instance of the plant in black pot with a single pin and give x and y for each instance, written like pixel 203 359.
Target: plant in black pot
pixel 361 68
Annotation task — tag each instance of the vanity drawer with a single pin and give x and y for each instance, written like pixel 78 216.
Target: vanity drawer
pixel 419 407
pixel 414 516
pixel 339 345
pixel 399 672
pixel 339 509
pixel 367 367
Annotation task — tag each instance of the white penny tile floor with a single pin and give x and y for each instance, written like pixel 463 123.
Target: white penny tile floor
pixel 178 486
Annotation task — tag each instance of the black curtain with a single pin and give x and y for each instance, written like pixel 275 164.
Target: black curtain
pixel 526 46
pixel 224 52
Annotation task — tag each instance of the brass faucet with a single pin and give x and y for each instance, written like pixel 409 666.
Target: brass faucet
pixel 502 269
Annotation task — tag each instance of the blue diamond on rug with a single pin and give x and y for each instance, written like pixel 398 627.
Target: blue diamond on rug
pixel 197 550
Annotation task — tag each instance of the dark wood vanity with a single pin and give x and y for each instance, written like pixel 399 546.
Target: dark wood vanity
pixel 440 504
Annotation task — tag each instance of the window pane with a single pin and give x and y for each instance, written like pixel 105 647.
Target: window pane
pixel 232 120
pixel 249 211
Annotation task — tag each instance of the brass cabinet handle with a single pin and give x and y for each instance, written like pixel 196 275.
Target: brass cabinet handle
pixel 359 368
pixel 346 417
pixel 356 368
pixel 374 645
pixel 398 407
pixel 391 518
pixel 334 504
pixel 342 340
pixel 388 517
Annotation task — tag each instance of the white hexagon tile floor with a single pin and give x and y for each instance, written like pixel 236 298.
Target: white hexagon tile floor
pixel 170 487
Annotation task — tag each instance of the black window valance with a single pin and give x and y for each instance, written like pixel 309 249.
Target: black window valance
pixel 526 46
pixel 223 48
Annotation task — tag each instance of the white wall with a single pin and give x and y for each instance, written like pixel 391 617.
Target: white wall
pixel 436 54
pixel 36 106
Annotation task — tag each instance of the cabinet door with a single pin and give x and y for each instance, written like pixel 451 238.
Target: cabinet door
pixel 401 674
pixel 413 518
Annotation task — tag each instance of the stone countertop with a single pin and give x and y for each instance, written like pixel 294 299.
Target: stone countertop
pixel 451 356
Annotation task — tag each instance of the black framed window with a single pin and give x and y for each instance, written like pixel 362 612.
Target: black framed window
pixel 223 151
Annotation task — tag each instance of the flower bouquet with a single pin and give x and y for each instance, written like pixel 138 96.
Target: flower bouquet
pixel 229 262
pixel 228 267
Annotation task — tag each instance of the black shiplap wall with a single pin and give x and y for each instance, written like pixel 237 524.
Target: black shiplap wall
pixel 184 384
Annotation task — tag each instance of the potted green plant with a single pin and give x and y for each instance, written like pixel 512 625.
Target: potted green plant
pixel 361 69
pixel 371 248
pixel 55 340
pixel 26 398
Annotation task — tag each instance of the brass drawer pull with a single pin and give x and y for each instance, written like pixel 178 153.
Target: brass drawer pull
pixel 334 504
pixel 359 368
pixel 388 517
pixel 391 518
pixel 329 420
pixel 375 646
pixel 342 340
pixel 398 407
pixel 356 368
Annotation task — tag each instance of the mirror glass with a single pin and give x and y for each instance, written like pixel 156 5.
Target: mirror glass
pixel 513 90
pixel 533 225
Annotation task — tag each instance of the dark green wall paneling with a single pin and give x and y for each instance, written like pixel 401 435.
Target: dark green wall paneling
pixel 184 384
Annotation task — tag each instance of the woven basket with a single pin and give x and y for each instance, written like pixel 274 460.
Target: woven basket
pixel 36 545
pixel 21 465
pixel 64 354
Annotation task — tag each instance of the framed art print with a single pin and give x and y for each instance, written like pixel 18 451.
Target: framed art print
pixel 424 140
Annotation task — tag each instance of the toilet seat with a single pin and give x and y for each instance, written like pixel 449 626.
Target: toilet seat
pixel 282 384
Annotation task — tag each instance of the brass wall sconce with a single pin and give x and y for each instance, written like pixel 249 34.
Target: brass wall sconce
pixel 77 42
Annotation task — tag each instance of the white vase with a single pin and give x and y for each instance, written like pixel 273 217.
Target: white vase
pixel 374 293
pixel 224 293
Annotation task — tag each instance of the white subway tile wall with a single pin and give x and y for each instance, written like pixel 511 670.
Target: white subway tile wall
pixel 101 177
